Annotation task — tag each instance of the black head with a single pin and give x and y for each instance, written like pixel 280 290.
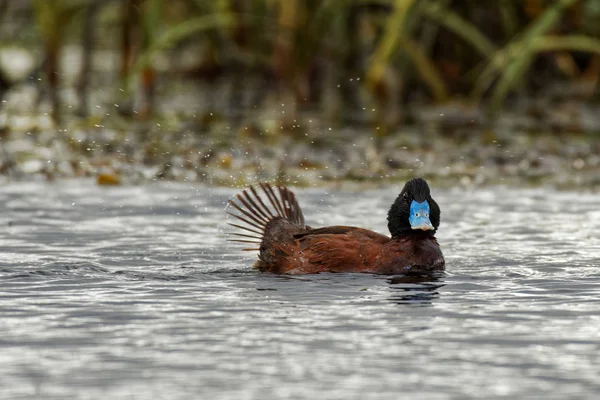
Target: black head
pixel 414 212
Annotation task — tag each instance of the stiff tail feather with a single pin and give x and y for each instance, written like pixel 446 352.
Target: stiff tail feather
pixel 257 210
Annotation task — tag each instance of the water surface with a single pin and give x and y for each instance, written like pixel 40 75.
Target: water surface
pixel 132 293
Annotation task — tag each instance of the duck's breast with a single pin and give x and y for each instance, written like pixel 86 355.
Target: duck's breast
pixel 410 256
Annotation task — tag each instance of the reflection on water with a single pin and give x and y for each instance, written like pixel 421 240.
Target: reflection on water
pixel 414 290
pixel 132 292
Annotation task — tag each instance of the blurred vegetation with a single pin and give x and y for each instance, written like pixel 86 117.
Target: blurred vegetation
pixel 346 60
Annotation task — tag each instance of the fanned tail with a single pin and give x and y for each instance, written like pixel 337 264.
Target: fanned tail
pixel 256 210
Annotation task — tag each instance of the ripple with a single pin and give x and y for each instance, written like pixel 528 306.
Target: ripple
pixel 132 292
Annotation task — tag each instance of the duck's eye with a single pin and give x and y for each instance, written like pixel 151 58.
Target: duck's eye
pixel 427 215
pixel 417 214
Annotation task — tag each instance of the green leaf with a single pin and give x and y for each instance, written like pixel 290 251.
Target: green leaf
pixel 511 62
pixel 171 36
pixel 569 42
pixel 461 27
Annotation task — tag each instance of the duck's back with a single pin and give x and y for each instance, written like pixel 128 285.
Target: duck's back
pixel 346 249
pixel 331 249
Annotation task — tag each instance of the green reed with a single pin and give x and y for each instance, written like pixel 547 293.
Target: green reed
pixel 312 49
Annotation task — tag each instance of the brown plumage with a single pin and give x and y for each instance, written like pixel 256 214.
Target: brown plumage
pixel 274 223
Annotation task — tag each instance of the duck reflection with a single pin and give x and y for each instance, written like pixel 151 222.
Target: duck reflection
pixel 414 289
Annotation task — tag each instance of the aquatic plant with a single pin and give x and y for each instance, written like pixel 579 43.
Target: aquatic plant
pixel 352 60
pixel 52 19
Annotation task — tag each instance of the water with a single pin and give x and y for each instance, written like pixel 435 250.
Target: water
pixel 132 293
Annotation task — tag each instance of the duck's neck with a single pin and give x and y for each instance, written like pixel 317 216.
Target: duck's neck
pixel 414 235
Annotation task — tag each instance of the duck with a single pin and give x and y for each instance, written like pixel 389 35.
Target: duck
pixel 270 217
